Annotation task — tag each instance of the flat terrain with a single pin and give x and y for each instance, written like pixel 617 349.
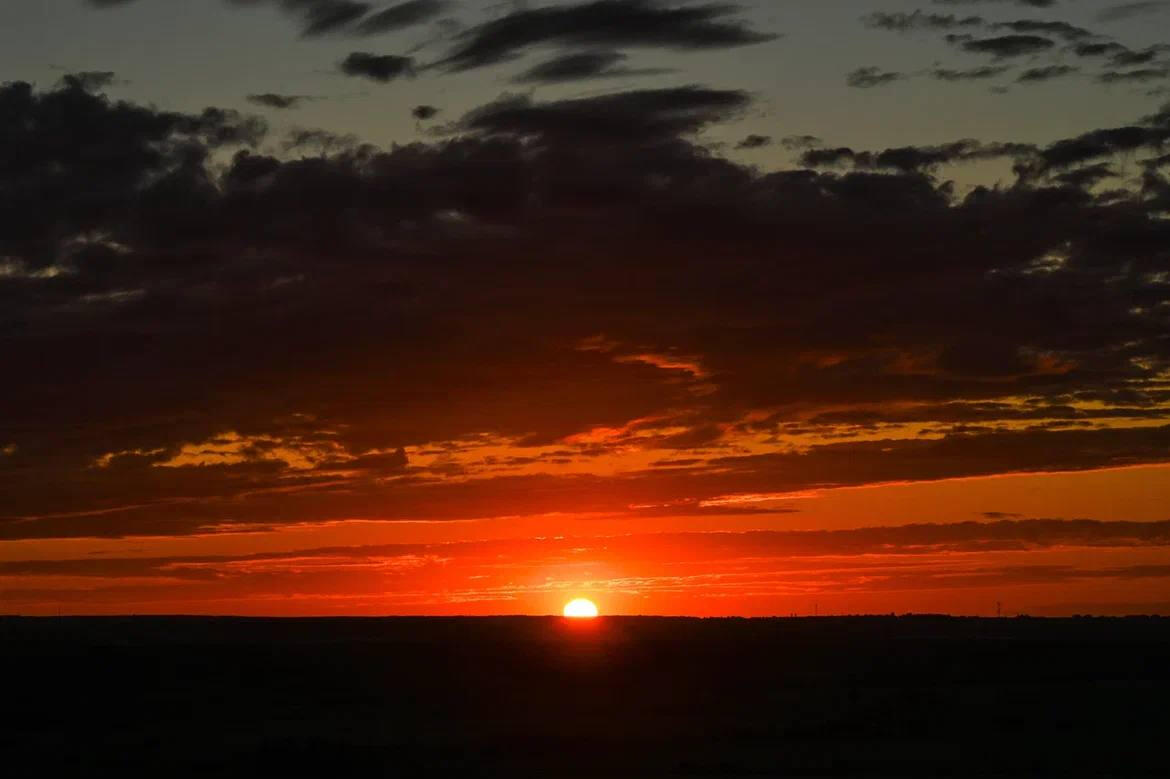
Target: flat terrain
pixel 529 697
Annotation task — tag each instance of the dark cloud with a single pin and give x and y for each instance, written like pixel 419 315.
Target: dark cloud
pixel 919 20
pixel 601 23
pixel 402 15
pixel 326 16
pixel 1028 39
pixel 273 100
pixel 1006 532
pixel 1128 10
pixel 580 66
pixel 317 17
pixel 424 112
pixel 970 74
pixel 1141 75
pixel 1004 46
pixel 1047 73
pixel 872 76
pixel 967 414
pixel 1030 3
pixel 1145 56
pixel 322 142
pixel 572 67
pixel 1088 176
pixel 199 337
pixel 914 158
pixel 754 142
pixel 643 115
pixel 1120 57
pixel 349 17
pixel 1099 49
pixel 89 80
pixel 377 67
pixel 800 141
pixel 1061 29
pixel 1097 144
pixel 820 158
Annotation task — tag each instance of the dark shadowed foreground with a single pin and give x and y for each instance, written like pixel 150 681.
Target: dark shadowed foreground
pixel 525 697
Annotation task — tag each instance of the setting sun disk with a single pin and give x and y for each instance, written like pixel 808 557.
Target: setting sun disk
pixel 581 608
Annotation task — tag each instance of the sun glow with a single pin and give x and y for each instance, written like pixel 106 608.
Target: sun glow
pixel 581 608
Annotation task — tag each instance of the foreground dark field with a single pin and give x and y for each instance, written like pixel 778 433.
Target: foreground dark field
pixel 524 697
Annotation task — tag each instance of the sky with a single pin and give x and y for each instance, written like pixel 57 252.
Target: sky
pixel 461 307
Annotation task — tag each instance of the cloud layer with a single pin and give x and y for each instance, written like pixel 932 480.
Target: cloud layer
pixel 491 322
pixel 756 570
pixel 582 281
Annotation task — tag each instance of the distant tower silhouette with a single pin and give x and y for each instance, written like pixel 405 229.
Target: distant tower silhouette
pixel 998 609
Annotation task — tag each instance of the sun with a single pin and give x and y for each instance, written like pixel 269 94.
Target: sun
pixel 581 608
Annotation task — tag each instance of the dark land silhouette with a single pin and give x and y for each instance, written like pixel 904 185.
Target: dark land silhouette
pixel 528 697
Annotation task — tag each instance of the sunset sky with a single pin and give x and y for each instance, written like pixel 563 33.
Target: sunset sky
pixel 475 307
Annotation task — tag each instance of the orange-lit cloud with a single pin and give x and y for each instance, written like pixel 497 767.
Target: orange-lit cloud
pixel 572 343
pixel 1030 562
